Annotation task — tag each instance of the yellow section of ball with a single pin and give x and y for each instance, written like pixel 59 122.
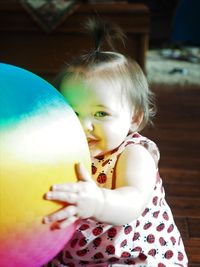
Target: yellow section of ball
pixel 38 153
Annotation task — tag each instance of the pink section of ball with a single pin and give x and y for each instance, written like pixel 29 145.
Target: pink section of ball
pixel 35 248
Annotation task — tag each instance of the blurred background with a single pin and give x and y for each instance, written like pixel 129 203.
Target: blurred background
pixel 163 36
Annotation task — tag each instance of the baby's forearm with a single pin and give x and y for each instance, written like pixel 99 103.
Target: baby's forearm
pixel 121 206
pixel 117 207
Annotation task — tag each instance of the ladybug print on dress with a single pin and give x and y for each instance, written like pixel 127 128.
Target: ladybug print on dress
pixel 168 254
pixel 147 225
pixel 94 169
pixel 173 239
pixel 83 241
pixel 83 227
pixel 150 238
pixel 137 223
pixel 152 252
pixel 155 200
pixel 68 255
pixel 97 242
pixel 136 236
pixel 136 135
pixel 145 211
pixel 155 214
pixel 97 231
pixel 160 227
pixel 73 242
pixel 142 257
pixel 112 233
pixel 162 241
pixel 180 256
pixel 82 252
pixel 165 216
pixel 110 249
pixel 102 178
pixel 137 249
pixel 125 254
pixel 127 229
pixel 123 243
pixel 98 256
pixel 170 228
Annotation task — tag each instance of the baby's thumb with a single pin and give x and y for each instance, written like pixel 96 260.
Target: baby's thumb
pixel 81 173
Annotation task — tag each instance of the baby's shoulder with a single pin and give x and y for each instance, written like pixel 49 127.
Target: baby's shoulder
pixel 138 139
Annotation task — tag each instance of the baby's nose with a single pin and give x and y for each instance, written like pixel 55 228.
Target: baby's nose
pixel 87 124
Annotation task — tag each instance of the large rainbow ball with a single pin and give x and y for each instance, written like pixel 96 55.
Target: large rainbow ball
pixel 40 141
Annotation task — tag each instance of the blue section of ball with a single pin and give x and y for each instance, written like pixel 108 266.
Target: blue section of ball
pixel 22 93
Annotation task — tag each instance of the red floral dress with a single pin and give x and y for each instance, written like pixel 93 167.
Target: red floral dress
pixel 152 240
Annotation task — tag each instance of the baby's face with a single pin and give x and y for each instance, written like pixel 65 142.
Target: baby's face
pixel 104 112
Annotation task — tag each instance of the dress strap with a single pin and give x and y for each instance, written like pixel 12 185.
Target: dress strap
pixel 136 138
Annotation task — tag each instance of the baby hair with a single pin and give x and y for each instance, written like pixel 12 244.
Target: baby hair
pixel 113 67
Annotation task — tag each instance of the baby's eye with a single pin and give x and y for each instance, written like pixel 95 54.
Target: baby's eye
pixel 101 114
pixel 77 114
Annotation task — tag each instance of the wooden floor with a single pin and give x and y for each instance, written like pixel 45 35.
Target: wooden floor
pixel 177 133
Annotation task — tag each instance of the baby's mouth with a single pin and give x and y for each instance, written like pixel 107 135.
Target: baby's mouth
pixel 91 141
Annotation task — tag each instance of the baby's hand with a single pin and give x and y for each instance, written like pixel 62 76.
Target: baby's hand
pixel 85 197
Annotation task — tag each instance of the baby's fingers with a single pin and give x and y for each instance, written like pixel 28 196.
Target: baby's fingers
pixel 69 197
pixel 62 214
pixel 67 187
pixel 67 222
pixel 81 173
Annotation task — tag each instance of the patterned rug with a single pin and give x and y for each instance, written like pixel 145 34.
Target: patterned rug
pixel 174 66
pixel 48 14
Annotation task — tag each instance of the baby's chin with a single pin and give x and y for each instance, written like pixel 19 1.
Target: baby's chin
pixel 101 154
pixel 97 153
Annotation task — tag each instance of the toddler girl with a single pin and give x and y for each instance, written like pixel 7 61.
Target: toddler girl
pixel 121 212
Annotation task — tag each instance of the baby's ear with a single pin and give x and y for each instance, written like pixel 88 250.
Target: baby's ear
pixel 136 121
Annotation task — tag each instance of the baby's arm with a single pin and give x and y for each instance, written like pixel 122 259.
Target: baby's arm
pixel 136 177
